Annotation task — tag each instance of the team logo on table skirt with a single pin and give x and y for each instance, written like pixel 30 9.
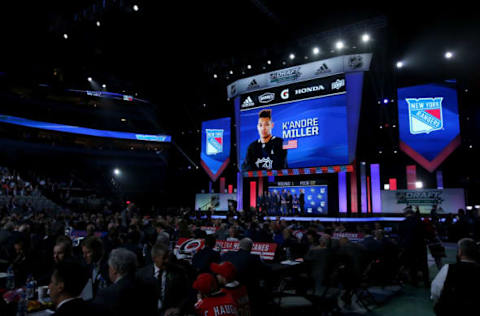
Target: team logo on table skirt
pixel 191 246
pixel 425 115
pixel 214 141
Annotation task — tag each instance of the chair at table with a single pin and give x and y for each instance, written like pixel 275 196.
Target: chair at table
pixel 287 301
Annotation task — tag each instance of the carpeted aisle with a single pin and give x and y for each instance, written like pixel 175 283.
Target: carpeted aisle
pixel 411 301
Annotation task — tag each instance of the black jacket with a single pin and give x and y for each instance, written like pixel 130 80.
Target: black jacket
pixel 126 297
pixel 178 290
pixel 78 307
pixel 265 156
pixel 201 260
pixel 249 267
pixel 460 291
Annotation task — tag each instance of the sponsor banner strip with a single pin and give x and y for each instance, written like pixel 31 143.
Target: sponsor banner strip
pixel 300 73
pixel 323 87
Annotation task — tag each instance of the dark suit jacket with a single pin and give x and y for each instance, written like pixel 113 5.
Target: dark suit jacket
pixel 128 296
pixel 354 256
pixel 178 291
pixel 249 267
pixel 201 260
pixel 79 307
pixel 103 273
pixel 320 262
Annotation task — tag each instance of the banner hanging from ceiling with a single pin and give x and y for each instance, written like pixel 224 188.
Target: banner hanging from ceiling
pixel 215 154
pixel 428 123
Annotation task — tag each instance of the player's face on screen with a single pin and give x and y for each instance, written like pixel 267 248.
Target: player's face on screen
pixel 264 127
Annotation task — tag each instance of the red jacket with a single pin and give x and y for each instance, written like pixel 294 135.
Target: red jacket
pixel 219 304
pixel 240 296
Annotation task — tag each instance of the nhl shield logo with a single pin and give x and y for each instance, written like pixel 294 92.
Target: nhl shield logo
pixel 425 115
pixel 214 141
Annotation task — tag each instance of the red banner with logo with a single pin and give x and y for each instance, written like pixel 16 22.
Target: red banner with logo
pixel 187 247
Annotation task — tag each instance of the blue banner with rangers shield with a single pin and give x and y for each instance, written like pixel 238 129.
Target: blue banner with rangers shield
pixel 215 154
pixel 429 123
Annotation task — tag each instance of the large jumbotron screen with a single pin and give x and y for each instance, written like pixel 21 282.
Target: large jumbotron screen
pixel 312 123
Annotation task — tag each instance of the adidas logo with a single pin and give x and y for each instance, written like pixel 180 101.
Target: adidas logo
pixel 247 103
pixel 323 69
pixel 252 85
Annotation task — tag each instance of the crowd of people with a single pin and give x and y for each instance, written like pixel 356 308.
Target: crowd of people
pixel 11 184
pixel 125 261
pixel 282 203
pixel 126 257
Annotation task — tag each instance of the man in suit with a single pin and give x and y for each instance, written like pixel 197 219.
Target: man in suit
pixel 456 286
pixel 93 253
pixel 320 259
pixel 126 296
pixel 172 285
pixel 63 249
pixel 412 242
pixel 354 258
pixel 66 284
pixel 301 201
pixel 201 260
pixel 250 269
pixel 247 264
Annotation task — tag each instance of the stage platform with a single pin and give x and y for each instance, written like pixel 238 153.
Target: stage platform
pixel 323 219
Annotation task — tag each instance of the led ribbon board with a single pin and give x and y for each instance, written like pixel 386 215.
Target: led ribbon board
pixel 429 123
pixel 215 154
pixel 83 130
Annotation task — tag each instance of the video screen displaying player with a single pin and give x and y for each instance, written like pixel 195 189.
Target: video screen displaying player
pixel 266 152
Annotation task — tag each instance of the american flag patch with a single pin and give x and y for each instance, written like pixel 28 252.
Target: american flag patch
pixel 292 144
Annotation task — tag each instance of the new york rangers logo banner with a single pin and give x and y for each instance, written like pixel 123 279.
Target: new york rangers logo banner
pixel 215 154
pixel 425 115
pixel 428 123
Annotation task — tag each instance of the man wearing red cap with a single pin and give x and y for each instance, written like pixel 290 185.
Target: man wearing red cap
pixel 212 301
pixel 226 273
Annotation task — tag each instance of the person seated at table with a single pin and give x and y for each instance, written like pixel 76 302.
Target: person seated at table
pixel 172 287
pixel 249 266
pixel 456 286
pixel 127 295
pixel 21 261
pixel 66 284
pixel 225 273
pixel 371 244
pixel 232 233
pixel 63 249
pixel 320 259
pixel 201 260
pixel 250 269
pixel 354 258
pixel 93 254
pixel 293 248
pixel 211 299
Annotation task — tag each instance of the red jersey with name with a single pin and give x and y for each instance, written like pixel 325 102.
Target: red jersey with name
pixel 218 304
pixel 240 296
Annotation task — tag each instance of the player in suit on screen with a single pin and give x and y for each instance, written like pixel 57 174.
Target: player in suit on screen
pixel 266 152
